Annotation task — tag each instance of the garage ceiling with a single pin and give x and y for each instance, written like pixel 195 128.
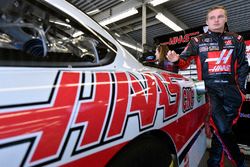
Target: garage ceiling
pixel 187 13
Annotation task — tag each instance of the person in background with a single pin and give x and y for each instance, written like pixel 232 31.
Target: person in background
pixel 221 62
pixel 160 53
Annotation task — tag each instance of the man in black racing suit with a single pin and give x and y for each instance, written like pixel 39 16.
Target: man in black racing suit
pixel 221 62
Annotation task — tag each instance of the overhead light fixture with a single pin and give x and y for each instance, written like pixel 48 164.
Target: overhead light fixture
pixel 168 22
pixel 105 27
pixel 60 23
pixel 117 34
pixel 92 12
pixel 157 2
pixel 130 46
pixel 77 34
pixel 120 16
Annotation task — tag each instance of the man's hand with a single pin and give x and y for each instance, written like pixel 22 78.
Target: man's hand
pixel 172 56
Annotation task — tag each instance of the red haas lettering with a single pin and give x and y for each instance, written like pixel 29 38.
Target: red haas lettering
pixel 121 105
pixel 180 39
pixel 144 99
pixel 89 110
pixel 169 95
pixel 114 98
pixel 52 122
pixel 220 68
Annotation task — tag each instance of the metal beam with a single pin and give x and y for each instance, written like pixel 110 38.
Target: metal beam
pixel 144 25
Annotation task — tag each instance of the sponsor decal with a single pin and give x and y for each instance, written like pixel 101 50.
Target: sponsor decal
pixel 243 115
pixel 228 42
pixel 203 44
pixel 214 48
pixel 248 51
pixel 228 47
pixel 219 61
pixel 209 44
pixel 203 49
pixel 227 37
pixel 208 40
pixel 188 99
pixel 181 39
pixel 239 37
pixel 213 44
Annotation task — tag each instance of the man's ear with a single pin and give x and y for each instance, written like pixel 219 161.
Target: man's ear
pixel 206 22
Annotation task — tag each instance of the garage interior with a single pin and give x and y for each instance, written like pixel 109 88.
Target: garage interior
pixel 143 26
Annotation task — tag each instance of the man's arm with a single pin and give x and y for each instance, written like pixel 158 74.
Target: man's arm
pixel 242 65
pixel 183 60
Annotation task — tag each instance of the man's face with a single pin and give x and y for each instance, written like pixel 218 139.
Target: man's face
pixel 216 20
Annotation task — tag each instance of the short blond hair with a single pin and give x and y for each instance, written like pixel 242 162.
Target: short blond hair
pixel 214 8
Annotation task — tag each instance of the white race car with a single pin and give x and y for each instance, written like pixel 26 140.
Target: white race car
pixel 71 95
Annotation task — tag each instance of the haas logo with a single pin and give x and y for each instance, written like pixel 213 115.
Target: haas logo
pixel 86 111
pixel 219 61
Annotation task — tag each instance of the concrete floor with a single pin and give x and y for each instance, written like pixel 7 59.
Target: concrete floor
pixel 203 162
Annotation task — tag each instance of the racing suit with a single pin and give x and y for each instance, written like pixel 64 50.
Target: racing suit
pixel 221 62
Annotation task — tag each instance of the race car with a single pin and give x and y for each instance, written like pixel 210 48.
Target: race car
pixel 71 95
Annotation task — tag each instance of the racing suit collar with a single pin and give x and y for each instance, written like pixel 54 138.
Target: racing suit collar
pixel 216 34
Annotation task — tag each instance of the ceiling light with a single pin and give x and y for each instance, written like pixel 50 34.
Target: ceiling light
pixel 117 34
pixel 92 12
pixel 60 23
pixel 168 22
pixel 130 46
pixel 77 34
pixel 157 2
pixel 120 16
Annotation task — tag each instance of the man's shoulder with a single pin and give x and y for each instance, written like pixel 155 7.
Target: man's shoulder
pixel 234 35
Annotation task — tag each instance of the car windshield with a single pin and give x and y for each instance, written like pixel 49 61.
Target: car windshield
pixel 33 34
